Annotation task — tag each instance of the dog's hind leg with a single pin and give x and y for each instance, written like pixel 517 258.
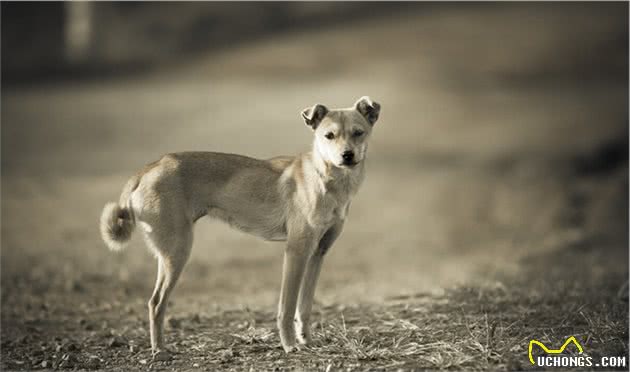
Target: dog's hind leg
pixel 173 252
pixel 309 283
pixel 153 302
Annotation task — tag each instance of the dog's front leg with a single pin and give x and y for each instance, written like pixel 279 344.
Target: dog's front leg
pixel 299 247
pixel 309 283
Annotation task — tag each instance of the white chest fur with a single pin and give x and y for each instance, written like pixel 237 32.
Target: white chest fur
pixel 320 195
pixel 324 203
pixel 327 211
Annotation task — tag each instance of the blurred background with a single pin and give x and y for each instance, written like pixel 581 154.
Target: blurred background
pixel 503 136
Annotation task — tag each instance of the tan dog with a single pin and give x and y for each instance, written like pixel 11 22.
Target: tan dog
pixel 303 200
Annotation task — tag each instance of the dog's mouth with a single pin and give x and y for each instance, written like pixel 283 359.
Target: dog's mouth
pixel 349 164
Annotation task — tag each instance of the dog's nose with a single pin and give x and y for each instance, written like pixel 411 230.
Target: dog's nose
pixel 348 156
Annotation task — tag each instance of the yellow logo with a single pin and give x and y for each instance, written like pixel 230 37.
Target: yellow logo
pixel 553 351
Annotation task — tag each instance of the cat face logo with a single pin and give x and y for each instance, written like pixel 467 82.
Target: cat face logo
pixel 553 351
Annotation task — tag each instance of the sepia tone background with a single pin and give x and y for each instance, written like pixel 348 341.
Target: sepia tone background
pixel 498 165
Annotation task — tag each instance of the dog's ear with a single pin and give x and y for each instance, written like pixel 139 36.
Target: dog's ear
pixel 368 108
pixel 313 115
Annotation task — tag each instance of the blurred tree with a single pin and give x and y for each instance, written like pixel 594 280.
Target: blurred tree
pixel 78 29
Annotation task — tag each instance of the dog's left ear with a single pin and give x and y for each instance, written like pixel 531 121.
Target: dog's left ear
pixel 368 108
pixel 313 115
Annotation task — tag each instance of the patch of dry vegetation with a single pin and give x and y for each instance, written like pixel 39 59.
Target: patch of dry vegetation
pixel 486 326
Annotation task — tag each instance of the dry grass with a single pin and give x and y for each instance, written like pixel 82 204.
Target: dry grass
pixel 486 326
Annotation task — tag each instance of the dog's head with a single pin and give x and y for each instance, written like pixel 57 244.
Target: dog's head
pixel 341 135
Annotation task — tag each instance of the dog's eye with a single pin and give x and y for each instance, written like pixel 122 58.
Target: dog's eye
pixel 357 133
pixel 330 135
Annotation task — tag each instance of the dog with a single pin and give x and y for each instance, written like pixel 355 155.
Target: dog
pixel 303 200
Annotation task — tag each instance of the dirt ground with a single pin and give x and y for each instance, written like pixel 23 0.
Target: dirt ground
pixel 494 209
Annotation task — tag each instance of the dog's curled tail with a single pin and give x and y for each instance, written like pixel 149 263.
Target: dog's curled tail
pixel 117 225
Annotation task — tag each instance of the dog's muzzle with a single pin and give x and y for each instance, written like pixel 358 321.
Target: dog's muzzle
pixel 348 159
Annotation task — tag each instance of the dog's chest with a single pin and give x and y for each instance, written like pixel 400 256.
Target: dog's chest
pixel 328 207
pixel 328 211
pixel 324 200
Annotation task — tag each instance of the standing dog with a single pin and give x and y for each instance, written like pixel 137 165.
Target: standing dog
pixel 303 200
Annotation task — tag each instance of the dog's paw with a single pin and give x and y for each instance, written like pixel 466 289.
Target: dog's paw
pixel 289 343
pixel 287 338
pixel 290 348
pixel 302 332
pixel 162 356
pixel 304 338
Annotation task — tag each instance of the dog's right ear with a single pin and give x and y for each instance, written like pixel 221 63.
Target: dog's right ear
pixel 368 108
pixel 313 115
